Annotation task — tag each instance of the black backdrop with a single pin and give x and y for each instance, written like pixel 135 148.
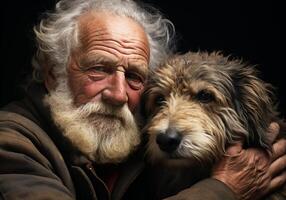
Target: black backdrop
pixel 251 30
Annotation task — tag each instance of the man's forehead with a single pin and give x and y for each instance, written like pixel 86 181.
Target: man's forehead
pixel 112 23
pixel 117 33
pixel 107 26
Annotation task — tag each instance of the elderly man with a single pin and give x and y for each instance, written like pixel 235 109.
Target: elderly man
pixel 75 135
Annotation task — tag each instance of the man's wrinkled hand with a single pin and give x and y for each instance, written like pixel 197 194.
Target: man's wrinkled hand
pixel 253 173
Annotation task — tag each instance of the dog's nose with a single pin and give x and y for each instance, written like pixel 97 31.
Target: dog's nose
pixel 169 140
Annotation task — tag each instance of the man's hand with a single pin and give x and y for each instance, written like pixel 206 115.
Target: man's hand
pixel 253 173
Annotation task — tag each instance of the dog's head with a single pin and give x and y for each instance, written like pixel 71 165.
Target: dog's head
pixel 198 103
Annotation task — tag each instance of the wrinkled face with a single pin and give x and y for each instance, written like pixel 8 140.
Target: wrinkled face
pixel 112 62
pixel 94 105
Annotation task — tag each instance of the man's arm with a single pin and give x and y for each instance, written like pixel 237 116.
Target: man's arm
pixel 207 189
pixel 26 172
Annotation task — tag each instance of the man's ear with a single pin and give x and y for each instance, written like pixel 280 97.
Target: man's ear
pixel 49 78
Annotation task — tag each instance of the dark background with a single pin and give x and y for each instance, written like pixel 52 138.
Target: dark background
pixel 249 30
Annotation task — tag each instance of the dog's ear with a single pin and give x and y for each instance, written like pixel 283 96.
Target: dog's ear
pixel 254 103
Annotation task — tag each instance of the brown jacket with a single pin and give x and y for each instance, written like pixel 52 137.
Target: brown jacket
pixel 36 162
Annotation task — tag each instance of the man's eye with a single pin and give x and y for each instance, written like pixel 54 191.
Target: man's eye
pixel 99 72
pixel 135 80
pixel 134 77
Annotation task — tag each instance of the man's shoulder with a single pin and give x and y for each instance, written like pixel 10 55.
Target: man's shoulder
pixel 17 130
pixel 19 125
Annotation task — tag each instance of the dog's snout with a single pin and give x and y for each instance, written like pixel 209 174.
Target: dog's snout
pixel 169 140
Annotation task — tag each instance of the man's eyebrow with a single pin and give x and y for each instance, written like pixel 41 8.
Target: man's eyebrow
pixel 139 68
pixel 95 59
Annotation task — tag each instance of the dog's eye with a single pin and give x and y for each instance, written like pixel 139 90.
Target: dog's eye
pixel 159 100
pixel 204 96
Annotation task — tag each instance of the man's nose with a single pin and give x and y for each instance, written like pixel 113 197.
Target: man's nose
pixel 115 93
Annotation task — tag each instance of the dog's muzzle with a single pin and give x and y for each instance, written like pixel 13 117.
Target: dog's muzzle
pixel 169 140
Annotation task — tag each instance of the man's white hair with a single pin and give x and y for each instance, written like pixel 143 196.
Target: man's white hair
pixel 57 34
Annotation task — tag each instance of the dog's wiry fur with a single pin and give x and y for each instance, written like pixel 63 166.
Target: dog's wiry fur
pixel 207 101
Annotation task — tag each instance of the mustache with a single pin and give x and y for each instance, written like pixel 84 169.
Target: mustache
pixel 99 109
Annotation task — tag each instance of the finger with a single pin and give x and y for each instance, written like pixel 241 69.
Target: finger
pixel 277 182
pixel 277 166
pixel 234 149
pixel 279 148
pixel 272 132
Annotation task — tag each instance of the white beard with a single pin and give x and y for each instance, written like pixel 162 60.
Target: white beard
pixel 103 133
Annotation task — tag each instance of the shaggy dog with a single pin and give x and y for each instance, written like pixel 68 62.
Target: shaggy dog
pixel 199 103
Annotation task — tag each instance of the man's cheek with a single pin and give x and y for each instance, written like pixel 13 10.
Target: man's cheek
pixel 134 100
